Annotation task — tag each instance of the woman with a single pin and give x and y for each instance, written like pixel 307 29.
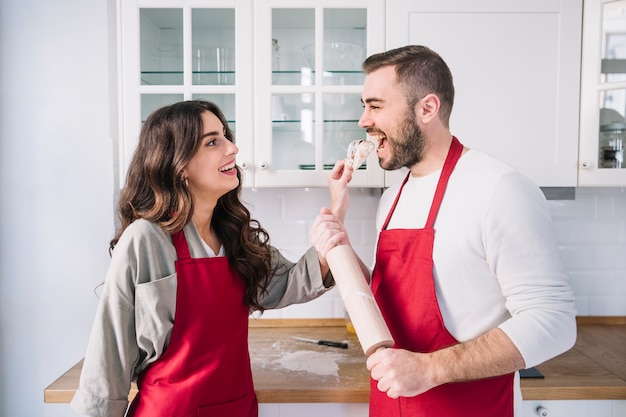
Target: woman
pixel 188 266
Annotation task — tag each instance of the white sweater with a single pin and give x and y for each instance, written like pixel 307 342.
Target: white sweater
pixel 496 261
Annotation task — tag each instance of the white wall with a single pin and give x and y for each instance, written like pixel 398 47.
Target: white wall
pixel 57 135
pixel 56 189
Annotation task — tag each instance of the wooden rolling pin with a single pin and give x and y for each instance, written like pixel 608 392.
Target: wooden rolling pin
pixel 357 296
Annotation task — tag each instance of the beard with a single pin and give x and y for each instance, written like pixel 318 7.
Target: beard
pixel 407 152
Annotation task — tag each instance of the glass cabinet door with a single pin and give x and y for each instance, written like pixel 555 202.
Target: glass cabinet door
pixel 603 94
pixel 213 46
pixel 612 94
pixel 286 73
pixel 183 51
pixel 162 52
pixel 308 84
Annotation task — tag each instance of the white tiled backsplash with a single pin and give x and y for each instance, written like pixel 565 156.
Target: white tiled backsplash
pixel 590 230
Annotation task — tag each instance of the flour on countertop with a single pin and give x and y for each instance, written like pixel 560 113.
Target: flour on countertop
pixel 324 363
pixel 320 363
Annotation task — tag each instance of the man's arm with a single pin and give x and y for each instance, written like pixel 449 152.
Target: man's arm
pixel 401 373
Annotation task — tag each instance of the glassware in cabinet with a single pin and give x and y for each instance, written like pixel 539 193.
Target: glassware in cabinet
pixel 213 46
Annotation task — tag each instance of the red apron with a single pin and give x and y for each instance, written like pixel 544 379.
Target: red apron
pixel 403 285
pixel 205 370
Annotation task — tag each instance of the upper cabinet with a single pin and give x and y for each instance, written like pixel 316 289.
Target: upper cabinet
pixel 516 67
pixel 180 50
pixel 603 94
pixel 286 73
pixel 307 84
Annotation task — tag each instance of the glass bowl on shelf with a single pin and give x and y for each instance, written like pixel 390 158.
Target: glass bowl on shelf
pixel 338 56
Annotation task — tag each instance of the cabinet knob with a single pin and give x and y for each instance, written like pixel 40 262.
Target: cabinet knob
pixel 264 165
pixel 542 411
pixel 585 164
pixel 244 166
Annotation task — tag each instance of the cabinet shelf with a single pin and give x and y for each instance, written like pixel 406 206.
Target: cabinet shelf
pixel 176 77
pixel 228 77
pixel 331 127
pixel 327 167
pixel 278 122
pixel 313 72
pixel 330 76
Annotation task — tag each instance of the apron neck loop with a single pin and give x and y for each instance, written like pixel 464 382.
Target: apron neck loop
pixel 180 243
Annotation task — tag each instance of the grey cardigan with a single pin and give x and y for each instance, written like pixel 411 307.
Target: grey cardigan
pixel 136 312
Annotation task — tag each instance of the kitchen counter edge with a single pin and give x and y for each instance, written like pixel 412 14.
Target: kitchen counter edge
pixel 594 369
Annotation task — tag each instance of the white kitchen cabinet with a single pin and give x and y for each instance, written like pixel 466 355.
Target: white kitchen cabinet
pixel 574 408
pixel 308 89
pixel 603 94
pixel 294 107
pixel 179 50
pixel 516 67
pixel 314 410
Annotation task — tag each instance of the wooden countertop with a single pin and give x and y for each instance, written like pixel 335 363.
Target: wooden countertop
pixel 289 371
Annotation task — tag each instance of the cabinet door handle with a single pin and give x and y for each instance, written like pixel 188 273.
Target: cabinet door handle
pixel 585 164
pixel 264 165
pixel 542 411
pixel 244 166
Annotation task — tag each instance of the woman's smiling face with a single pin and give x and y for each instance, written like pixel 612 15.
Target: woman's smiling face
pixel 211 171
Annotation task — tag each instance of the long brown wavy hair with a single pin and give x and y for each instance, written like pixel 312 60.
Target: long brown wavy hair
pixel 155 191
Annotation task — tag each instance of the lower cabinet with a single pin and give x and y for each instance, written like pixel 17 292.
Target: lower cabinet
pixel 530 408
pixel 574 408
pixel 314 410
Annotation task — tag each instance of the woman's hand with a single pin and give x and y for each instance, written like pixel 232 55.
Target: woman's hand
pixel 338 180
pixel 326 233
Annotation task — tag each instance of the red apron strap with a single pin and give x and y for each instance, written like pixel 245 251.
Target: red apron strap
pixel 453 156
pixel 180 243
pixel 395 202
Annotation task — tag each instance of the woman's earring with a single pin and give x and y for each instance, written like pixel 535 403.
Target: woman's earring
pixel 186 182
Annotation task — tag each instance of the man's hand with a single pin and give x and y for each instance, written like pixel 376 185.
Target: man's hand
pixel 400 373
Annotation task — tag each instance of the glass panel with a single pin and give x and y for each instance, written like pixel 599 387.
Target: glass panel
pixel 613 101
pixel 614 42
pixel 292 30
pixel 293 136
pixel 161 46
pixel 341 117
pixel 151 102
pixel 345 43
pixel 612 128
pixel 226 102
pixel 213 46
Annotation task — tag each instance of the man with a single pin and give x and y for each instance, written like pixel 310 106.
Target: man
pixel 467 271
